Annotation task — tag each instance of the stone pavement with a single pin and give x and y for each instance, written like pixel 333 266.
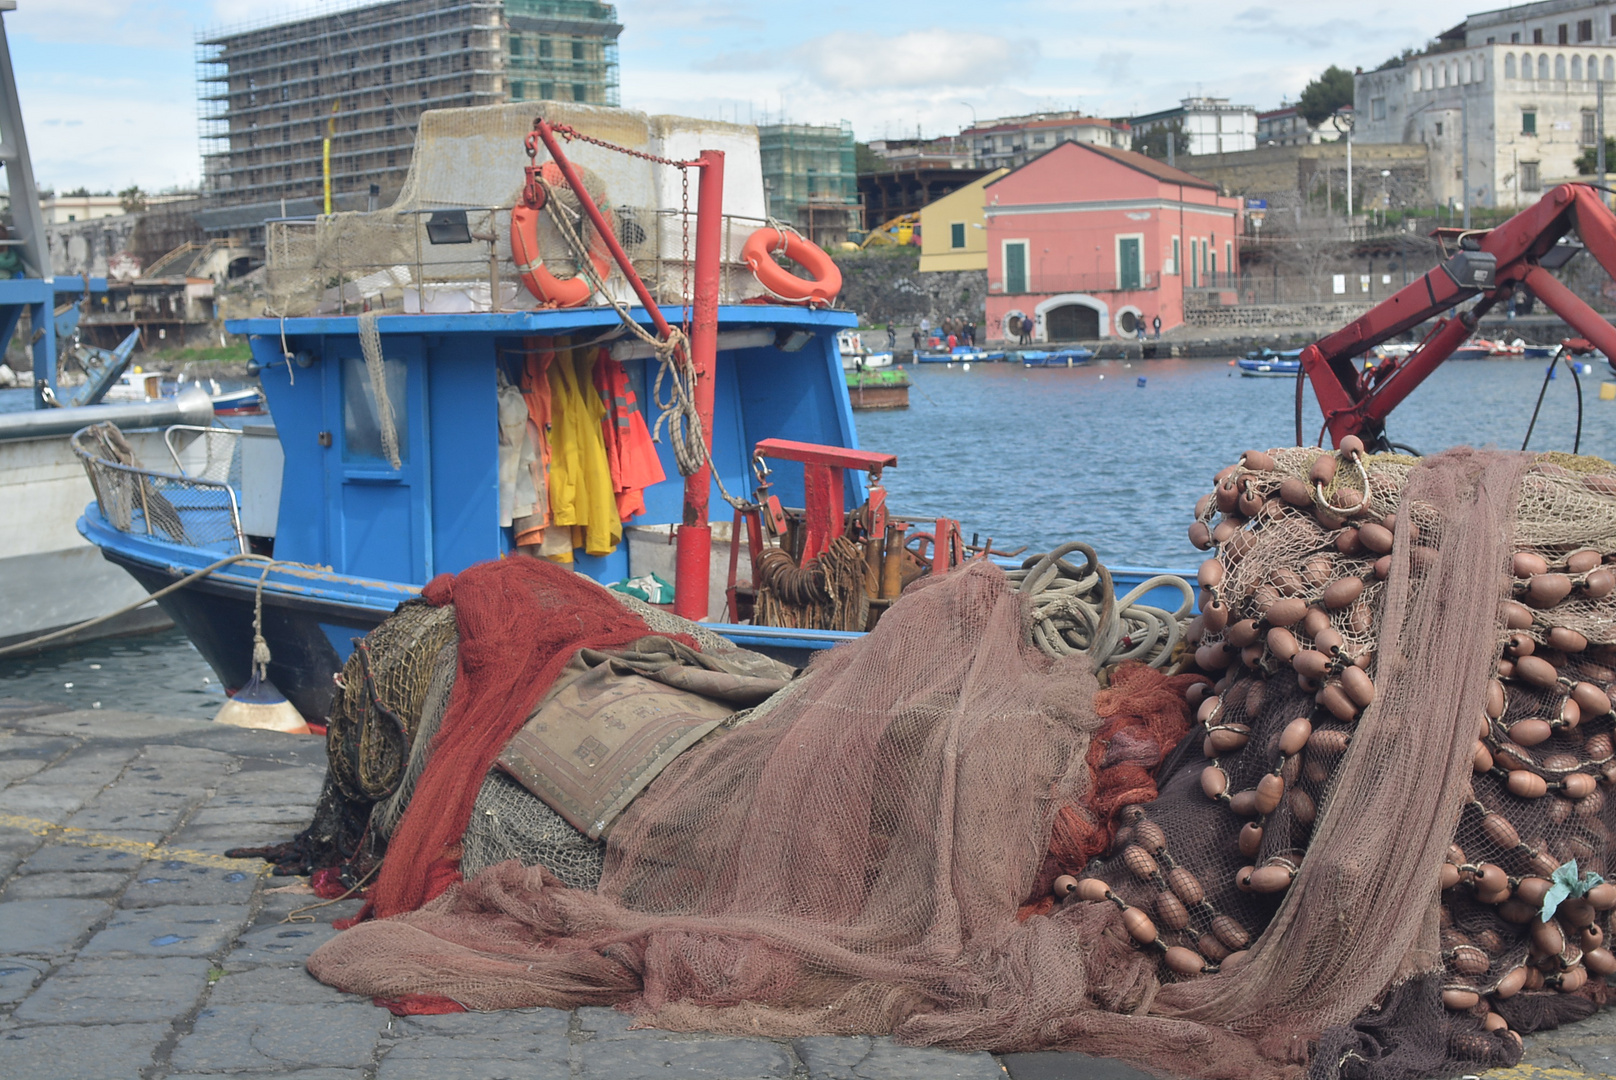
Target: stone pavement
pixel 129 948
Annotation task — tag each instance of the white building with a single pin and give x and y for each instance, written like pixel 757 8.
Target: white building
pixel 1213 125
pixel 1522 86
pixel 1012 141
pixel 1550 22
pixel 59 209
pixel 1286 126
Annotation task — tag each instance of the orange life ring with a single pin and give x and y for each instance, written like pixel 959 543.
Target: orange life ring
pixel 825 280
pixel 545 286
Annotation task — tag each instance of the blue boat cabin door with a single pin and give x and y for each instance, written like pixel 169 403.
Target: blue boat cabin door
pixel 379 525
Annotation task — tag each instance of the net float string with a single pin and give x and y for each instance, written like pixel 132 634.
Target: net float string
pixel 695 533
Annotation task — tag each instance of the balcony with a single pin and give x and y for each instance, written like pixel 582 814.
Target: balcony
pixel 1061 282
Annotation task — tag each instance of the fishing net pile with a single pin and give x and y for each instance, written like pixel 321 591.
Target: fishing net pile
pixel 1328 853
pixel 1408 742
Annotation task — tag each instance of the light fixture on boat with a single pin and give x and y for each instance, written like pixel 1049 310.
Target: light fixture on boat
pixel 792 340
pixel 448 227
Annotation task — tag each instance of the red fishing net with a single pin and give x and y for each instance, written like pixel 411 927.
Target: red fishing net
pixel 520 620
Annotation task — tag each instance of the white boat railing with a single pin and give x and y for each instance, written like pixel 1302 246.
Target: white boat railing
pixel 191 510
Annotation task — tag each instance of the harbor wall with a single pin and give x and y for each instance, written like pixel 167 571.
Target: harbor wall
pixel 1331 315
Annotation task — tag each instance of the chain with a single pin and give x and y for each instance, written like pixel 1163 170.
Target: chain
pixel 684 253
pixel 568 132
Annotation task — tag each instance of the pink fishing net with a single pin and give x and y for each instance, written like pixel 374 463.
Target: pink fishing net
pixel 871 850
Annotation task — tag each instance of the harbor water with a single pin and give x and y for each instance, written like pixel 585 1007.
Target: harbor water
pixel 1026 456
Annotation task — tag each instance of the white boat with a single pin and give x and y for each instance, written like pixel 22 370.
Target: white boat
pixel 855 357
pixel 135 385
pixel 50 577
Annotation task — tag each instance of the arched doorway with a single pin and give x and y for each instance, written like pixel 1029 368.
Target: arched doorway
pixel 1074 317
pixel 1072 322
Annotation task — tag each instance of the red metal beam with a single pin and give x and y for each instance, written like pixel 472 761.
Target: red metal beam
pixel 840 457
pixel 1354 405
pixel 691 566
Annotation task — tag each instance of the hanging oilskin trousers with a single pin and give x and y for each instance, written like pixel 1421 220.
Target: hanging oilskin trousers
pixel 581 492
pixel 629 450
pixel 535 387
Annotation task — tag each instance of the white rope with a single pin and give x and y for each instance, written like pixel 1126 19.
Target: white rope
pixel 370 343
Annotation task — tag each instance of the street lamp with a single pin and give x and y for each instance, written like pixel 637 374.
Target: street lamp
pixel 1342 121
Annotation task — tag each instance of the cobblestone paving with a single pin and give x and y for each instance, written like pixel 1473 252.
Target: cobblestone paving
pixel 130 948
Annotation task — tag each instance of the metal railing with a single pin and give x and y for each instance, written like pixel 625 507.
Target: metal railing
pixel 1061 281
pixel 385 260
pixel 189 510
pixel 218 463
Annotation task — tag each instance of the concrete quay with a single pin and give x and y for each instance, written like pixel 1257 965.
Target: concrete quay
pixel 130 948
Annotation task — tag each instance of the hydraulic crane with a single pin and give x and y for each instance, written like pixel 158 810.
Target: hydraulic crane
pixel 1489 264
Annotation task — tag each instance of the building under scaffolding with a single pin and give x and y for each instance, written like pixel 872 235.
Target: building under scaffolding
pixel 271 94
pixel 811 179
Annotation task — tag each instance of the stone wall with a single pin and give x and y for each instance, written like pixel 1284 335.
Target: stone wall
pixel 1292 177
pixel 885 285
pixel 1331 315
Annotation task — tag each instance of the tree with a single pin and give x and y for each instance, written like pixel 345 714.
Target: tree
pixel 1588 160
pixel 1325 94
pixel 132 199
pixel 77 193
pixel 1154 143
pixel 865 160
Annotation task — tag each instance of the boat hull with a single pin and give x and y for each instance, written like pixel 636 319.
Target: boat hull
pixel 870 398
pixel 217 615
pixel 53 579
pixel 1061 358
pixel 1270 369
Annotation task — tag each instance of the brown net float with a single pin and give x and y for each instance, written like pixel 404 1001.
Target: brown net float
pixel 1371 717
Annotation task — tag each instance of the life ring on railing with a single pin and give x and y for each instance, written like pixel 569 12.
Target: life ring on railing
pixel 545 286
pixel 824 282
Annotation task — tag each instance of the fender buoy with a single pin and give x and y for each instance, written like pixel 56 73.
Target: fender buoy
pixel 545 286
pixel 825 280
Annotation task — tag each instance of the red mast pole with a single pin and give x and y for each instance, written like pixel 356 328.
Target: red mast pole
pixel 692 570
pixel 695 544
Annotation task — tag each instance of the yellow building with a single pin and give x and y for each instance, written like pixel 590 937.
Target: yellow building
pixel 953 230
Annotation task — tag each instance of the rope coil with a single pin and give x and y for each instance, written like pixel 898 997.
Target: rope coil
pixel 1075 609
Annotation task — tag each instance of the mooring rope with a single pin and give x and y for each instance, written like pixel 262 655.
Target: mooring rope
pixel 1076 610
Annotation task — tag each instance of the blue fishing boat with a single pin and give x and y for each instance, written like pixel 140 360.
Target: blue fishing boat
pixel 1065 358
pixel 394 454
pixel 959 354
pixel 1269 363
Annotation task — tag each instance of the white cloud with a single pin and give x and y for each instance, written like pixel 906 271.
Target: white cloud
pixel 106 142
pixel 934 57
pixel 85 22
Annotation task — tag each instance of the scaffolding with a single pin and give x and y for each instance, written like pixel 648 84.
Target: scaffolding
pixel 270 95
pixel 811 179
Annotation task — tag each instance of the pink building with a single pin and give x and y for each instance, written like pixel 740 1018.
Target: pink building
pixel 1090 240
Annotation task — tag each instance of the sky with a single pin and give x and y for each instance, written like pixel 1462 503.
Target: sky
pixel 108 87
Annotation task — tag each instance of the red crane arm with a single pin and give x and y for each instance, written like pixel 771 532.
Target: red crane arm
pixel 1489 264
